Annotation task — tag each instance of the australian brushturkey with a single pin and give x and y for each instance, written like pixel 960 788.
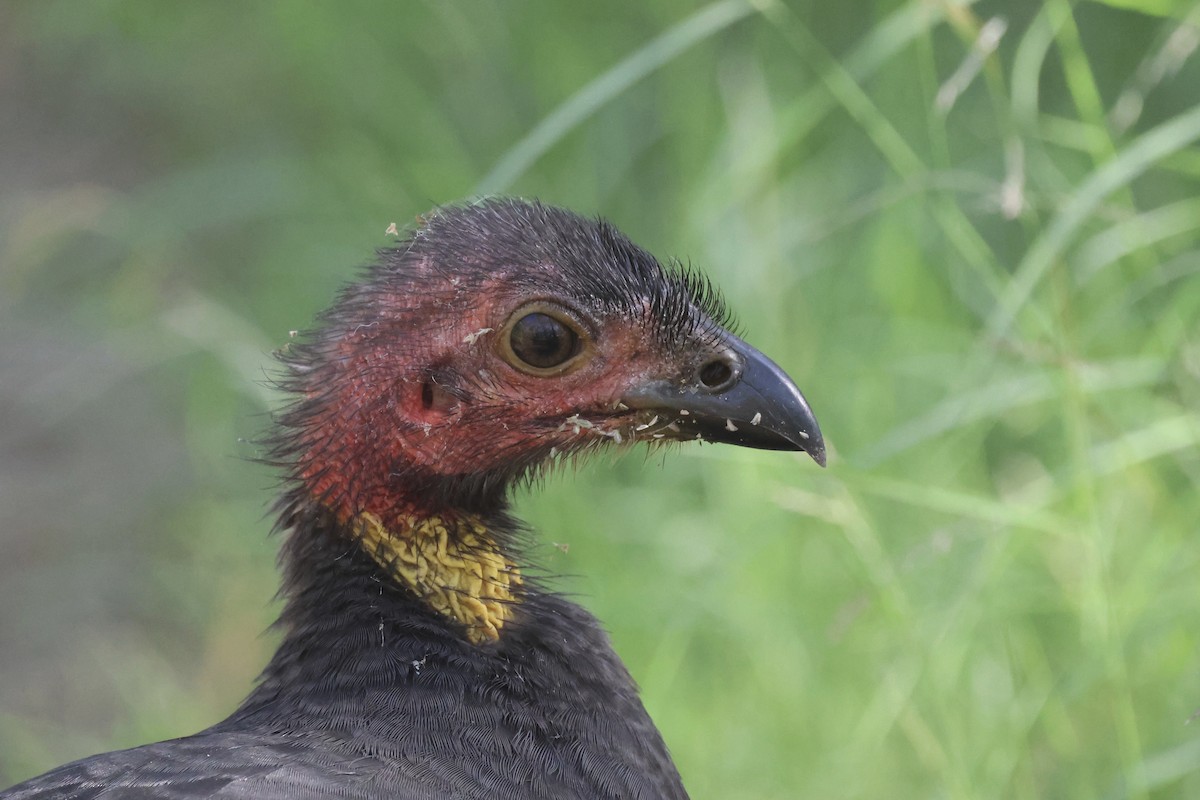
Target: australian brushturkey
pixel 417 660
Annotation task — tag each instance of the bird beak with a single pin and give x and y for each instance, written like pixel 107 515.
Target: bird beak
pixel 759 406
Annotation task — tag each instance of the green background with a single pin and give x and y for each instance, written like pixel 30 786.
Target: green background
pixel 971 232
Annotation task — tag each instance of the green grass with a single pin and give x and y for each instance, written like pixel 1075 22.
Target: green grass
pixel 993 305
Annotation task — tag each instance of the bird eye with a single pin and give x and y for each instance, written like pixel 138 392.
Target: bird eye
pixel 541 340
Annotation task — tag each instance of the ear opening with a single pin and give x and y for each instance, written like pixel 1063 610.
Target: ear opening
pixel 435 402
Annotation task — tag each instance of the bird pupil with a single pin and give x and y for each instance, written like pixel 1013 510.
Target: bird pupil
pixel 542 341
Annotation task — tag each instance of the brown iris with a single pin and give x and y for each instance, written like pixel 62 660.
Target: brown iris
pixel 542 339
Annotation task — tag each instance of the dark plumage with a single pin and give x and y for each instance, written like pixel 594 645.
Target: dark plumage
pixel 417 660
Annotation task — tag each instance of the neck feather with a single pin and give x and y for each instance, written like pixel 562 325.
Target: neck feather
pixel 450 561
pixel 453 559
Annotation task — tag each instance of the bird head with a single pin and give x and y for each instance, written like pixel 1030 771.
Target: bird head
pixel 502 335
pixel 495 339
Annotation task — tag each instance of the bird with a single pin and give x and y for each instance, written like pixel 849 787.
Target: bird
pixel 421 657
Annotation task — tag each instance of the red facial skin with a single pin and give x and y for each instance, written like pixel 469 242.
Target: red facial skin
pixel 425 389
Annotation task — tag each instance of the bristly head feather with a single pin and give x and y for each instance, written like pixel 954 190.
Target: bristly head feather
pixel 400 398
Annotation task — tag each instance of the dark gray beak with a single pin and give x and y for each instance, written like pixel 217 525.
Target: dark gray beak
pixel 738 396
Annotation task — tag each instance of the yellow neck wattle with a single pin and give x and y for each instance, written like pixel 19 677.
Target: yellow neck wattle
pixel 453 564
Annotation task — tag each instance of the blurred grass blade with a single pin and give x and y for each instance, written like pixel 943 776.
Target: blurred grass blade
pixel 1162 437
pixel 844 88
pixel 1029 60
pixel 1162 770
pixel 1048 248
pixel 804 113
pixel 590 98
pixel 993 400
pixel 964 505
pixel 985 45
pixel 213 327
pixel 1135 233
